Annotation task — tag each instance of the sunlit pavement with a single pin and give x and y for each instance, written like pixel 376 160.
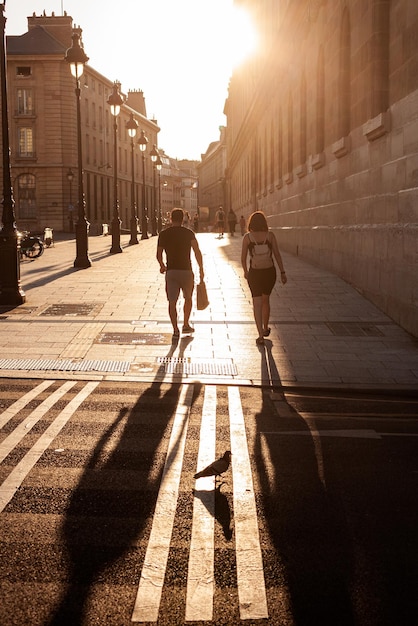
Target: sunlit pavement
pixel 110 321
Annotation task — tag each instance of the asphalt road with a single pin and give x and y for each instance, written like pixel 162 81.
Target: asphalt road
pixel 102 522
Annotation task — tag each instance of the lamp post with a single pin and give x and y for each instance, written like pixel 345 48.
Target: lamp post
pixel 70 178
pixel 76 57
pixel 10 291
pixel 132 127
pixel 115 101
pixel 158 165
pixel 143 142
pixel 154 155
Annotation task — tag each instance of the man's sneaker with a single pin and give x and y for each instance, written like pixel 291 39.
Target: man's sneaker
pixel 188 329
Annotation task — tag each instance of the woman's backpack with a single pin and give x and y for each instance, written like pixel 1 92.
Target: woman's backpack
pixel 261 257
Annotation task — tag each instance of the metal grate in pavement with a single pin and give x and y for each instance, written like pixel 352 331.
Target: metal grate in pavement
pixel 62 365
pixel 72 310
pixel 185 365
pixel 354 329
pixel 149 339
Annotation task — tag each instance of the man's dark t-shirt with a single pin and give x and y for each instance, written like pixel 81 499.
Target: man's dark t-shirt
pixel 176 241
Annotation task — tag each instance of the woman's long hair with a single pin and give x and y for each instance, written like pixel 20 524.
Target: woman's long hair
pixel 257 222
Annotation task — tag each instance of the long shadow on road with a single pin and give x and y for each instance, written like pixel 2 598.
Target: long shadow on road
pixel 109 509
pixel 305 523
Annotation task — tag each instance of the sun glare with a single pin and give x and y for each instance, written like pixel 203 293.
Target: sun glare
pixel 243 36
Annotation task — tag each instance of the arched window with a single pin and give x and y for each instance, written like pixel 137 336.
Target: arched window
pixel 26 197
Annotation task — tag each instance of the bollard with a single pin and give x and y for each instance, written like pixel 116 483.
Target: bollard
pixel 48 237
pixel 105 228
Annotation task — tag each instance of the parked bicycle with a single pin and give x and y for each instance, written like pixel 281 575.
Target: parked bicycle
pixel 30 246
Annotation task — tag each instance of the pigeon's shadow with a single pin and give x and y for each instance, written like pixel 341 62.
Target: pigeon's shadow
pixel 217 504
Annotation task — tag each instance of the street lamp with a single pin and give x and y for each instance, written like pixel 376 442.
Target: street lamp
pixel 132 127
pixel 115 101
pixel 154 155
pixel 10 291
pixel 70 178
pixel 76 57
pixel 158 165
pixel 142 142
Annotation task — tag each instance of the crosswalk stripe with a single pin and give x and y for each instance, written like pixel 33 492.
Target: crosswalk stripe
pixel 150 586
pixel 200 579
pixel 12 440
pixel 20 404
pixel 22 469
pixel 250 574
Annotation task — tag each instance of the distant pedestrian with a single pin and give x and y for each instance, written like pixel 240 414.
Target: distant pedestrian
pixel 260 245
pixel 186 219
pixel 176 242
pixel 232 222
pixel 196 222
pixel 242 225
pixel 220 222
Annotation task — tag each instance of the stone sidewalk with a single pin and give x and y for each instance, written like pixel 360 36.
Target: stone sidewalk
pixel 111 321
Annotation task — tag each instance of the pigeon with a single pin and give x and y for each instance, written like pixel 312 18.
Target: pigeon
pixel 217 467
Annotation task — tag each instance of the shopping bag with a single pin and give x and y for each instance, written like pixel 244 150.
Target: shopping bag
pixel 202 300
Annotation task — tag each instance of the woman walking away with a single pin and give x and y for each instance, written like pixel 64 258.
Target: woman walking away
pixel 260 244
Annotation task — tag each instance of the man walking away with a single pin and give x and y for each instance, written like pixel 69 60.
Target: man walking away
pixel 176 242
pixel 232 222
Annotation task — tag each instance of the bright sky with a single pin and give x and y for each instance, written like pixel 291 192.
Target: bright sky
pixel 179 52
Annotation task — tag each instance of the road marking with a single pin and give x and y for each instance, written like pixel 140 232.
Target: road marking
pixel 20 404
pixel 150 586
pixel 22 469
pixel 355 434
pixel 250 574
pixel 15 437
pixel 201 575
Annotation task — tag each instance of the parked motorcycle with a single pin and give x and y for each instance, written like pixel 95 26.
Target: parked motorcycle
pixel 30 246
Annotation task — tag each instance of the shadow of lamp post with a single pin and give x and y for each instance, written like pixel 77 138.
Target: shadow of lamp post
pixel 70 178
pixel 10 290
pixel 154 155
pixel 143 142
pixel 76 57
pixel 132 127
pixel 115 101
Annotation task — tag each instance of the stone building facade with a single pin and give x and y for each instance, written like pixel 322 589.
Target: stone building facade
pixel 43 135
pixel 322 135
pixel 212 181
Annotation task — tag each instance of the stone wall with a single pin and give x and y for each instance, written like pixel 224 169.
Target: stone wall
pixel 327 143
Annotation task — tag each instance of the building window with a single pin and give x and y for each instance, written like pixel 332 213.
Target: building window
pixel 344 77
pixel 24 70
pixel 86 112
pixel 24 102
pixel 25 141
pixel 320 102
pixel 26 196
pixel 302 120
